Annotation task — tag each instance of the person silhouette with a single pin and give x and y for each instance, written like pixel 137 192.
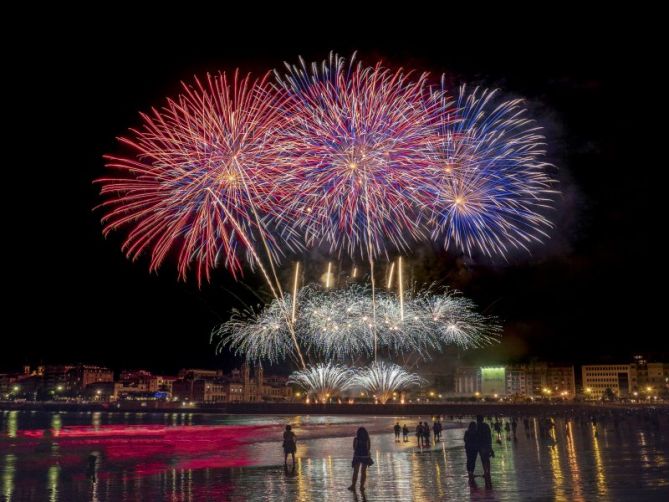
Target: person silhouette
pixel 361 458
pixel 484 441
pixel 289 446
pixel 471 450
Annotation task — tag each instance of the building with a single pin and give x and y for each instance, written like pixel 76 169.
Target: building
pixel 561 381
pixel 238 386
pixel 136 384
pixel 493 381
pixel 6 384
pixel 82 376
pixel 597 378
pixel 517 380
pixel 467 380
pixel 486 381
pixel 651 378
pixel 57 378
pixel 194 374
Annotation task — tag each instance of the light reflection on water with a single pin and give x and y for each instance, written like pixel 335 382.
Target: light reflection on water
pixel 574 461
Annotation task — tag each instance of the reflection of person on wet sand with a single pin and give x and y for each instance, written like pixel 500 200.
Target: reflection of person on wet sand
pixel 289 446
pixel 289 472
pixel 92 466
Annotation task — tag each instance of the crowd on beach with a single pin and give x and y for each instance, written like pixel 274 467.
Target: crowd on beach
pixel 481 433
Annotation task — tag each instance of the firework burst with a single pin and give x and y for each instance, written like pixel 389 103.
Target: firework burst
pixel 491 185
pixel 382 380
pixel 258 335
pixel 359 143
pixel 338 325
pixel 199 178
pixel 449 318
pixel 323 381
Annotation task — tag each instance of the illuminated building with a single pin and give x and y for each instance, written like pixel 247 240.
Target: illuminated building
pixel 597 378
pixel 493 380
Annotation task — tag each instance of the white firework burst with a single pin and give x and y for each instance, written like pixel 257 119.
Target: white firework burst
pixel 338 325
pixel 382 380
pixel 323 381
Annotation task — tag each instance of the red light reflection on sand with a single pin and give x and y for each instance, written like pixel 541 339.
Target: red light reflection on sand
pixel 152 448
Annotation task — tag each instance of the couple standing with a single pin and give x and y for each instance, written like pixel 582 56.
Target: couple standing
pixel 478 442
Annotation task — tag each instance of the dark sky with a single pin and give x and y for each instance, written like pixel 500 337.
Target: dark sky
pixel 72 295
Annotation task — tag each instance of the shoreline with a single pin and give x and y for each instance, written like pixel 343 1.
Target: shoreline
pixel 432 409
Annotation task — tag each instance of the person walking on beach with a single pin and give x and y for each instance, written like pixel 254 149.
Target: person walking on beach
pixel 484 441
pixel 419 434
pixel 471 450
pixel 405 433
pixel 426 434
pixel 397 429
pixel 361 458
pixel 289 446
pixel 437 432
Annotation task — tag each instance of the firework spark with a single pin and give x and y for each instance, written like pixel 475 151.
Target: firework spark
pixel 382 380
pixel 491 185
pixel 338 324
pixel 323 381
pixel 199 178
pixel 362 159
pixel 359 144
pixel 262 335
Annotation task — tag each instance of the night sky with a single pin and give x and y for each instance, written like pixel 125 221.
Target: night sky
pixel 72 296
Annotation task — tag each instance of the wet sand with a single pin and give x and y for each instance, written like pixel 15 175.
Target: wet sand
pixel 187 457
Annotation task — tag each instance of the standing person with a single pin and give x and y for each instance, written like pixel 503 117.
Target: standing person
pixel 361 458
pixel 419 434
pixel 484 441
pixel 514 426
pixel 405 433
pixel 435 428
pixel 498 430
pixel 289 445
pixel 397 429
pixel 426 434
pixel 472 451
